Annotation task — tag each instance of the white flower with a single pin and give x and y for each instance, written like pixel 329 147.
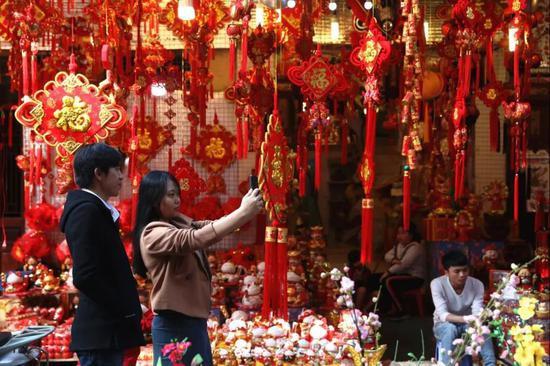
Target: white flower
pixel 323 275
pixel 346 269
pixel 496 295
pixel 349 304
pixel 504 354
pixel 496 314
pixel 458 341
pixel 347 284
pixel 514 266
pixel 375 299
pixel 340 300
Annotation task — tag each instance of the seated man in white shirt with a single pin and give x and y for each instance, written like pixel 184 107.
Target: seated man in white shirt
pixel 458 298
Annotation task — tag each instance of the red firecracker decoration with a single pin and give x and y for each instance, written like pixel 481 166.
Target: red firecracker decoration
pixel 317 79
pixel 518 114
pixel 275 174
pixel 371 55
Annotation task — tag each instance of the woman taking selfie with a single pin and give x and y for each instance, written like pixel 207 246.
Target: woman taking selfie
pixel 170 248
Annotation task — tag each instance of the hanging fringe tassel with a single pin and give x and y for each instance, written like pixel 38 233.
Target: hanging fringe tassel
pixel 516 197
pixel 282 263
pixel 490 68
pixel 244 46
pixel 366 230
pixel 318 148
pixel 25 72
pixel 406 198
pixel 34 67
pixel 494 130
pixel 269 259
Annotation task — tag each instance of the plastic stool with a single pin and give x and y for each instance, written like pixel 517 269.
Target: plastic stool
pixel 466 360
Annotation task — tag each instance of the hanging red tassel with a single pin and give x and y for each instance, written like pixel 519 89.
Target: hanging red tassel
pixel 244 46
pixel 302 182
pixel 38 164
pixel 282 263
pixel 524 146
pixel 34 67
pixel 344 147
pixel 269 257
pixel 232 59
pixel 494 130
pixel 318 147
pixel 367 213
pixel 25 66
pixel 406 198
pixel 239 138
pixel 516 197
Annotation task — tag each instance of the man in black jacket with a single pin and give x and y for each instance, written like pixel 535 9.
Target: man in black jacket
pixel 108 318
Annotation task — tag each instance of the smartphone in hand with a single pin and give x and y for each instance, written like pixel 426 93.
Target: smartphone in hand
pixel 253 180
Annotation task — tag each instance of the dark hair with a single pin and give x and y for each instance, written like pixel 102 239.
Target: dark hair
pixel 90 157
pixel 413 232
pixel 454 258
pixel 151 191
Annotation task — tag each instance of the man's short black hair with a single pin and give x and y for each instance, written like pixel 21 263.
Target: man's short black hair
pixel 454 258
pixel 89 157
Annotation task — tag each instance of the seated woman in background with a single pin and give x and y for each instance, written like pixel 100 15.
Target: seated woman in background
pixel 407 271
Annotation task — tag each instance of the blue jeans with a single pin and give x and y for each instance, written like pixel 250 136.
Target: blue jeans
pixel 169 326
pixel 101 357
pixel 447 332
